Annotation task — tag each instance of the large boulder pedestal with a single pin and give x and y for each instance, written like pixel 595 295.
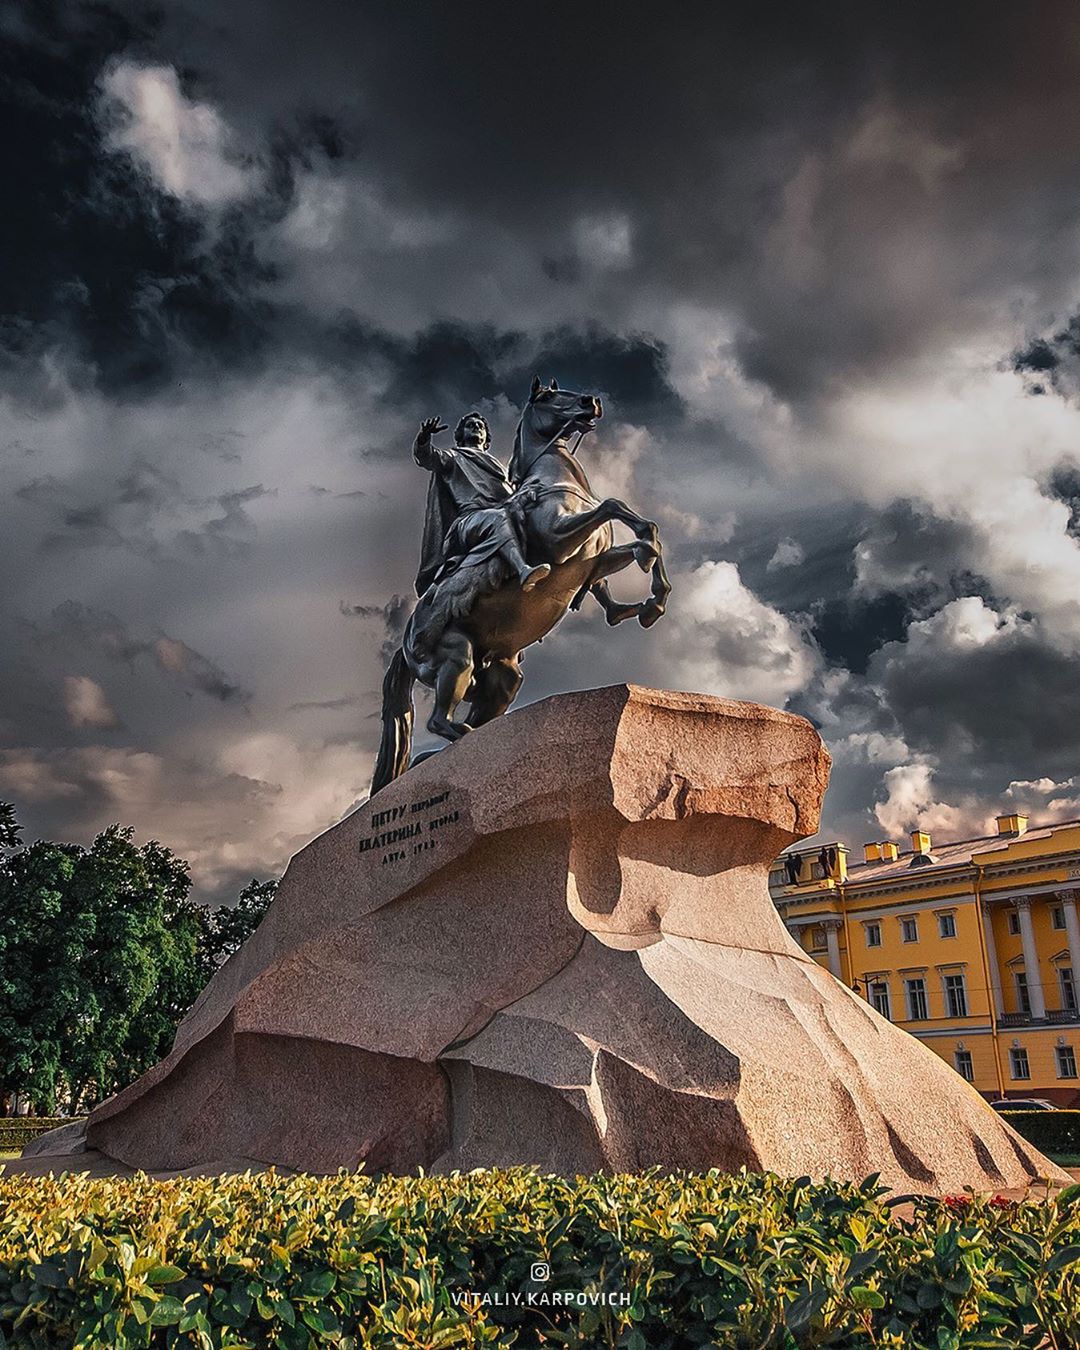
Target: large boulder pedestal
pixel 553 943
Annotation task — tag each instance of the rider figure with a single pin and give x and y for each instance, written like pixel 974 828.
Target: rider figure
pixel 468 518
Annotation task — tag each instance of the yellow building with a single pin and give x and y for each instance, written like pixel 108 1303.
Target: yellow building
pixel 972 946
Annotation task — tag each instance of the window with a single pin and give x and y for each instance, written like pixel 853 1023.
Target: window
pixel 1023 994
pixel 879 997
pixel 1018 1063
pixel 955 996
pixel 946 925
pixel 873 935
pixel 1057 917
pixel 1068 988
pixel 909 930
pixel 1066 1061
pixel 964 1067
pixel 916 1000
pixel 1014 922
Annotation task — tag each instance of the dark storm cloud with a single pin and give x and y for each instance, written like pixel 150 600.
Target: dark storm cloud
pixel 766 160
pixel 109 635
pixel 133 283
pixel 1009 707
pixel 392 617
pixel 1052 362
pixel 732 224
pixel 1064 484
pixel 851 629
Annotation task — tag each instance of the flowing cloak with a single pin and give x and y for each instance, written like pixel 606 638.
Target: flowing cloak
pixel 463 482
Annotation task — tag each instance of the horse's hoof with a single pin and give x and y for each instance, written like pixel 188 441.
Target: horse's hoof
pixel 649 614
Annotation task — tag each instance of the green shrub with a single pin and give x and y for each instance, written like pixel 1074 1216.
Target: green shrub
pixel 690 1260
pixel 17 1131
pixel 1049 1131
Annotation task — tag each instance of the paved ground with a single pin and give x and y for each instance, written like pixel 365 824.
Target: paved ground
pixel 96 1164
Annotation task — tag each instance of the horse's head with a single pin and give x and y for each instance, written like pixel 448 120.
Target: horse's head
pixel 558 412
pixel 549 418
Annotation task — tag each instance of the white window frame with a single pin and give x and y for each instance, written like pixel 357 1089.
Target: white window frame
pixel 962 1059
pixel 1018 1057
pixel 1065 1057
pixel 963 1000
pixel 1057 912
pixel 872 926
pixel 914 922
pixel 1012 922
pixel 910 996
pixel 872 989
pixel 1023 993
pixel 947 919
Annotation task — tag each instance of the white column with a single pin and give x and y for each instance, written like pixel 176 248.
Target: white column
pixel 832 941
pixel 992 958
pixel 1072 932
pixel 1031 960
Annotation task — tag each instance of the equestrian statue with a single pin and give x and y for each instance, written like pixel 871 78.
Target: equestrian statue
pixel 505 554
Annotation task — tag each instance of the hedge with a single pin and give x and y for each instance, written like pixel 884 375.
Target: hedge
pixel 1049 1131
pixel 17 1131
pixel 515 1258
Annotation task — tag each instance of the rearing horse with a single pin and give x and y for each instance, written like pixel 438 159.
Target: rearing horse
pixel 467 634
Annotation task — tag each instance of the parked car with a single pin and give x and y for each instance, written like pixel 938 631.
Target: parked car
pixel 1024 1104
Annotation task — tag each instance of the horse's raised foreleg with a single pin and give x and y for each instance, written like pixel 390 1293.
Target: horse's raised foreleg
pixel 652 609
pixel 612 560
pixel 564 533
pixel 615 610
pixel 453 660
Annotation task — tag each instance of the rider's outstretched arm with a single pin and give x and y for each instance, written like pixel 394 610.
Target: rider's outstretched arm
pixel 429 456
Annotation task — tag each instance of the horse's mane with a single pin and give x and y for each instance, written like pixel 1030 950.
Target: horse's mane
pixel 518 470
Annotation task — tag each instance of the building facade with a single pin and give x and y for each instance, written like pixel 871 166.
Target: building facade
pixel 973 946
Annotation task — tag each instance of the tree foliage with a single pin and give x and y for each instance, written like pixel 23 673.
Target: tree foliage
pixel 231 926
pixel 9 827
pixel 102 951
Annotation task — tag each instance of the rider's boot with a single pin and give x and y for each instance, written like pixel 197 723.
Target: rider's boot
pixel 527 576
pixel 532 576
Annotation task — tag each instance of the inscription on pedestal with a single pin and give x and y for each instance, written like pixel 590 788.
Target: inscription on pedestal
pixel 404 831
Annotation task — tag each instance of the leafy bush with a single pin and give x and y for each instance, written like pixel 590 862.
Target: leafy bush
pixel 1049 1131
pixel 631 1261
pixel 17 1131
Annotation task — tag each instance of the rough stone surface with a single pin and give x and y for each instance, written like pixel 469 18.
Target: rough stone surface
pixel 553 944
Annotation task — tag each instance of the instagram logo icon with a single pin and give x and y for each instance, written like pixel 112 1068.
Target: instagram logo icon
pixel 540 1272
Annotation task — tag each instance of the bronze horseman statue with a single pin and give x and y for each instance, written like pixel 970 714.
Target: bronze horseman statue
pixel 505 554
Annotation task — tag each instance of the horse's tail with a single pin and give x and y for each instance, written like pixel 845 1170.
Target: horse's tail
pixel 397 722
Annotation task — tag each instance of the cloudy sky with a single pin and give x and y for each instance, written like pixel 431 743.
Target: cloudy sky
pixel 822 264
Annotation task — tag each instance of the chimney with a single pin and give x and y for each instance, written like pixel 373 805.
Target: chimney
pixel 1014 823
pixel 920 841
pixel 871 852
pixel 889 851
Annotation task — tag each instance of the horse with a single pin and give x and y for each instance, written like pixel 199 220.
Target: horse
pixel 467 635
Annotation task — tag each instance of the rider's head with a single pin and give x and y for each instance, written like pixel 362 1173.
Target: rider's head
pixel 473 430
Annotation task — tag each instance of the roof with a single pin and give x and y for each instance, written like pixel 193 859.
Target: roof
pixel 955 854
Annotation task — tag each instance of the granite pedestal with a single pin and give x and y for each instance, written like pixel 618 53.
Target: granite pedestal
pixel 553 944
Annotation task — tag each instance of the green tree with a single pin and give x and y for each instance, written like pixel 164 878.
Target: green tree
pixel 230 926
pixel 102 952
pixel 9 827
